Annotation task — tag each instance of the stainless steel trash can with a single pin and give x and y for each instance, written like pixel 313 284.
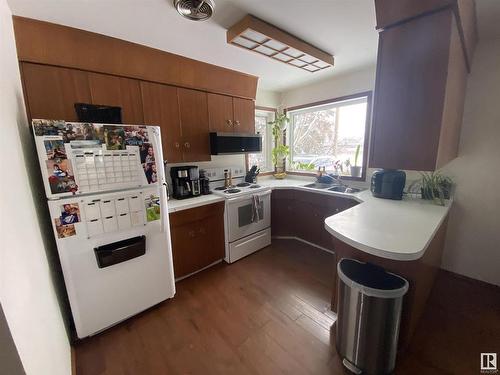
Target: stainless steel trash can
pixel 368 316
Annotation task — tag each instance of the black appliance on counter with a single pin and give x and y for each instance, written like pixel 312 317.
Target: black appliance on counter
pixel 388 184
pixel 185 181
pixel 204 183
pixel 98 113
pixel 234 143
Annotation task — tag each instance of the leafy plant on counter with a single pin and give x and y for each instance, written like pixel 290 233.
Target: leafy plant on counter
pixel 433 186
pixel 279 154
pixel 280 151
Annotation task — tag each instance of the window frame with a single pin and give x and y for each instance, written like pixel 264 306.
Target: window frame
pixel 335 102
pixel 269 145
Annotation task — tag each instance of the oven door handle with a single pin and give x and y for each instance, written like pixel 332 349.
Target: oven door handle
pixel 246 197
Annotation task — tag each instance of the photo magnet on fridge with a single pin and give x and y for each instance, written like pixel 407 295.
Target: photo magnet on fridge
pixel 152 204
pixel 55 149
pixel 114 137
pixel 61 177
pixel 64 231
pixel 148 163
pixel 70 213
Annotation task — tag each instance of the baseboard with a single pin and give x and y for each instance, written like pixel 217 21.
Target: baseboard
pixel 471 280
pixel 304 241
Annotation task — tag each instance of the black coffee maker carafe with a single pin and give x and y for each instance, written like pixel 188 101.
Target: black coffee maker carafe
pixel 185 182
pixel 204 183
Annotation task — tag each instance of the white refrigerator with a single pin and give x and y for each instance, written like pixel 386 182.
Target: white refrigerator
pixel 108 208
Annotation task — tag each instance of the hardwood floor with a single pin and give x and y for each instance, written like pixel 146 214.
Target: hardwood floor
pixel 269 314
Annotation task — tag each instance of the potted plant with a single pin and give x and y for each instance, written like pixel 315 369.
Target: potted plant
pixel 434 186
pixel 355 169
pixel 280 152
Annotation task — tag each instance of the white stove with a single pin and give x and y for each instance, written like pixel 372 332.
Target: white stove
pixel 247 214
pixel 239 189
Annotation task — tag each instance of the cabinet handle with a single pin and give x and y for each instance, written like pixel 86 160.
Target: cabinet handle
pixel 202 230
pixel 229 122
pixel 191 233
pixel 237 123
pixel 187 145
pixel 177 144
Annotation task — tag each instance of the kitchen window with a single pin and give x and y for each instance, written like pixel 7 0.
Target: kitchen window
pixel 263 159
pixel 327 134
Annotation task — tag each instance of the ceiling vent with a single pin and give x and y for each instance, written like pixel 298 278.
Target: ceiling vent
pixel 195 10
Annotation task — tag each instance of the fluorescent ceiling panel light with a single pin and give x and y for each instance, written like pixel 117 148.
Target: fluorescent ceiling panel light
pixel 259 36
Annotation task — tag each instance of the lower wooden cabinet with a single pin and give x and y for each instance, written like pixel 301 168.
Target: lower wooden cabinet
pixel 302 214
pixel 197 237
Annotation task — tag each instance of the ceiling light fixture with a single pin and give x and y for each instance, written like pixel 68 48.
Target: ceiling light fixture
pixel 195 10
pixel 259 36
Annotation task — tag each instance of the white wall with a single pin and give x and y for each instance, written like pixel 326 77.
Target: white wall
pixel 266 98
pixel 27 293
pixel 362 80
pixel 473 239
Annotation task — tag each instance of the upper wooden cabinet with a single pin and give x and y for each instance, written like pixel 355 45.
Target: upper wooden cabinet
pixel 419 94
pixel 161 107
pixel 244 115
pixel 194 125
pixel 52 92
pixel 220 113
pixel 118 91
pixel 393 12
pixel 51 44
pixel 227 114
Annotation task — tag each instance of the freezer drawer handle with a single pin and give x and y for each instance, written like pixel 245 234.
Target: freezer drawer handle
pixel 121 251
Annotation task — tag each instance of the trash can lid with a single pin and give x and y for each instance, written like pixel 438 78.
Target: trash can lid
pixel 371 279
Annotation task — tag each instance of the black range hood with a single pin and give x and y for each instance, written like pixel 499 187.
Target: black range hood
pixel 234 143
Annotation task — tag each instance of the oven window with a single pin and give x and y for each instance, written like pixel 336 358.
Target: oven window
pixel 245 214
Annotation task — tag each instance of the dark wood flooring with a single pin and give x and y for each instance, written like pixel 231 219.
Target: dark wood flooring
pixel 269 314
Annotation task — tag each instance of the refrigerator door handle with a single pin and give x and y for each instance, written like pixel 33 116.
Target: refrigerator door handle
pixel 163 207
pixel 162 185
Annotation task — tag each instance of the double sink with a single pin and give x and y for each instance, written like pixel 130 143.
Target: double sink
pixel 334 187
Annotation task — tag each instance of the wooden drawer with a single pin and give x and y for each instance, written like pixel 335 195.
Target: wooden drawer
pixel 195 214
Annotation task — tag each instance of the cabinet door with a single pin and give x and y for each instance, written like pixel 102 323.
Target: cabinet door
pixel 118 91
pixel 244 115
pixel 212 243
pixel 51 92
pixel 161 107
pixel 194 124
pixel 197 238
pixel 283 213
pixel 220 113
pixel 412 69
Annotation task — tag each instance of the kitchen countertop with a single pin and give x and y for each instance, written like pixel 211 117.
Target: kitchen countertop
pixel 184 204
pixel 398 230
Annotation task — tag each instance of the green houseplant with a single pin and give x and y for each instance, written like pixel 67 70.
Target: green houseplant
pixel 434 186
pixel 280 152
pixel 355 169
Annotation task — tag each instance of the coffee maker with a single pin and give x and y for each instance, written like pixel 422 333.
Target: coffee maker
pixel 185 181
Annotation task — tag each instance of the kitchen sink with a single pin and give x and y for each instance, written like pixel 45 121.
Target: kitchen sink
pixel 319 185
pixel 345 189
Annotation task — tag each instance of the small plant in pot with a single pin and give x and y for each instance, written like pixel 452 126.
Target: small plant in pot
pixel 280 152
pixel 434 186
pixel 354 169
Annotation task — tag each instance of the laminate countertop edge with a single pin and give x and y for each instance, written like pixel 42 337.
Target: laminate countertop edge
pixel 390 229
